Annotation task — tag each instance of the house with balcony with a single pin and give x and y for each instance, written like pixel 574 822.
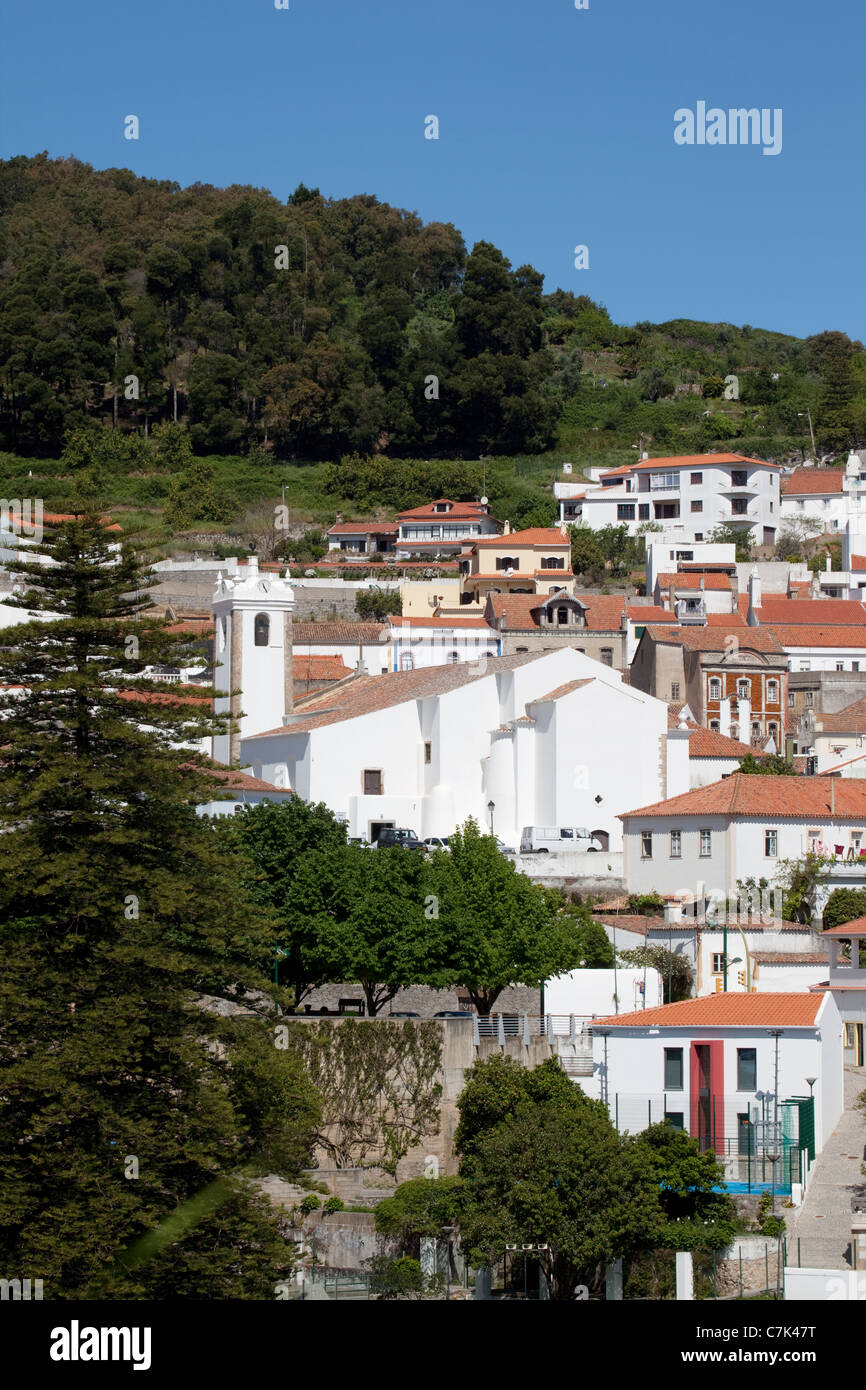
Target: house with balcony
pixel 747 1075
pixel 534 561
pixel 828 497
pixel 697 847
pixel 688 496
pixel 442 528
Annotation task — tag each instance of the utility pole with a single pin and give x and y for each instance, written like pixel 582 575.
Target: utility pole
pixel 807 412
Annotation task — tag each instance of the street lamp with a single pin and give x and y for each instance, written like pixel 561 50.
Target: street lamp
pixel 810 1082
pixel 491 807
pixel 807 412
pixel 774 1159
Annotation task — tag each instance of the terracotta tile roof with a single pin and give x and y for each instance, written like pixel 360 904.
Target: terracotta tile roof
pixel 561 690
pixel 369 694
pixel 603 611
pixel 460 511
pixel 707 638
pixel 690 579
pixel 363 528
pixel 172 693
pixel 320 668
pixel 852 719
pixel 57 519
pixel 805 482
pixel 725 1011
pixel 790 958
pixel 308 634
pixel 856 927
pixel 742 794
pixel 702 925
pixel 534 535
pixel 649 613
pixel 234 781
pixel 709 743
pixel 815 635
pixel 192 627
pixel 618 472
pixel 699 461
pixel 625 921
pixel 840 611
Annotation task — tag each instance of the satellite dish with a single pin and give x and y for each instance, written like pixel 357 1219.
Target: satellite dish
pixel 484 501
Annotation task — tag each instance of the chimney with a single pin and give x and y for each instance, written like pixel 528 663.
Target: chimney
pixel 252 565
pixel 338 519
pixel 506 529
pixel 754 598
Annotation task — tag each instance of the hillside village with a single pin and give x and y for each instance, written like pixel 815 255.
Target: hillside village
pixel 682 758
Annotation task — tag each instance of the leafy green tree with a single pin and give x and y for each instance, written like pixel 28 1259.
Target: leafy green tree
pixel 494 927
pixel 844 905
pixel 728 534
pixel 120 912
pixel 549 1168
pixel 377 604
pixel 196 496
pixel 696 1215
pixel 676 972
pixel 421 1207
pixel 767 765
pixel 285 844
pixel 799 880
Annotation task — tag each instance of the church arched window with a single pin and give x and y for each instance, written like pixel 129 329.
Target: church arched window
pixel 262 630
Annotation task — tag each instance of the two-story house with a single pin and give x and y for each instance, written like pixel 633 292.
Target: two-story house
pixel 442 527
pixel 534 561
pixel 688 496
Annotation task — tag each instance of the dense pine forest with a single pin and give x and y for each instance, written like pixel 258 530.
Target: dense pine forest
pixel 225 322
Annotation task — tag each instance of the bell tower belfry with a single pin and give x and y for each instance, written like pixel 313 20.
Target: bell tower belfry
pixel 252 655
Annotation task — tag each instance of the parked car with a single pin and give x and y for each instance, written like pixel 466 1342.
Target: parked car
pixel 503 848
pixel 557 839
pixel 454 1013
pixel 403 1013
pixel 394 835
pixel 437 842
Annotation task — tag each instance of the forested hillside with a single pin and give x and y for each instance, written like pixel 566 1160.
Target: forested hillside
pixel 316 328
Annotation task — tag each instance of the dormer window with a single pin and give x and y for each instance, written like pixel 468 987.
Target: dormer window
pixel 442 507
pixel 261 630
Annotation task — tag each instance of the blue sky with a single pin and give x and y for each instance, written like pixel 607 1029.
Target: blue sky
pixel 556 129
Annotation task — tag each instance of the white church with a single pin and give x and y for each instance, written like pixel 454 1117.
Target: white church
pixel 547 738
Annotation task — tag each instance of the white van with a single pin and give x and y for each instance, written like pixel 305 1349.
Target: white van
pixel 557 839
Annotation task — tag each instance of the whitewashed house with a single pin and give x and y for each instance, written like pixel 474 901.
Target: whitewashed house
pixel 746 1075
pixel 700 844
pixel 415 642
pixel 846 983
pixel 535 738
pixel 687 495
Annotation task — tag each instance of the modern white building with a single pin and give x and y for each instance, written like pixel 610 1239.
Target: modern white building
pixel 746 1075
pixel 433 641
pixel 531 739
pixel 687 496
pixel 826 497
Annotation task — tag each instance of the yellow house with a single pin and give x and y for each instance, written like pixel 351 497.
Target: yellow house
pixel 536 561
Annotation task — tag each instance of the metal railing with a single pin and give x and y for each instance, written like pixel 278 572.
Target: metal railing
pixel 576 1027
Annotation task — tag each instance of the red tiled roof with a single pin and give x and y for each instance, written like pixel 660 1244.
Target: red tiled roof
pixel 817 635
pixel 699 461
pixel 57 519
pixel 841 612
pixel 320 668
pixel 649 613
pixel 460 511
pixel 709 743
pixel 725 1011
pixel 744 794
pixel 852 719
pixel 811 481
pixel 707 638
pixel 689 579
pixel 192 627
pixel 561 690
pixel 617 472
pixel 603 611
pixel 172 693
pixel 308 634
pixel 790 958
pixel 550 536
pixel 370 694
pixel 856 927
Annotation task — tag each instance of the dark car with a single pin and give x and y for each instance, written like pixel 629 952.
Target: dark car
pixel 403 1013
pixel 393 835
pixel 454 1013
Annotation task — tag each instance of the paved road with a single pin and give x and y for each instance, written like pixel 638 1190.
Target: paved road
pixel 823 1223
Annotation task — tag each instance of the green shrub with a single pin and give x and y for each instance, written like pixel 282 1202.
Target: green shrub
pixel 333 1204
pixel 310 1203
